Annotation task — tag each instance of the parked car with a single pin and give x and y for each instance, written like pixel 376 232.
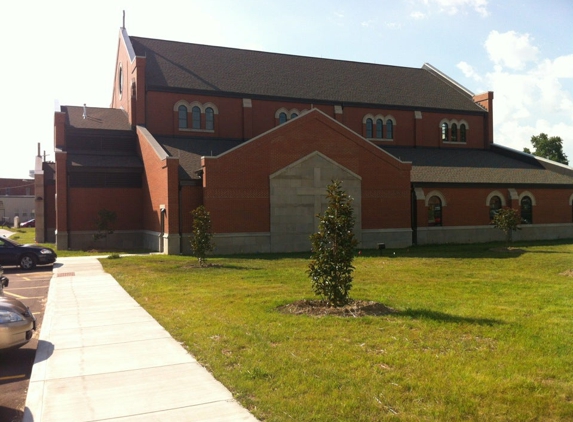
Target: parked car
pixel 29 223
pixel 3 281
pixel 26 256
pixel 17 323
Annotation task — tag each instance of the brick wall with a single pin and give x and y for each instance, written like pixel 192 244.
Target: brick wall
pixel 87 202
pixel 468 206
pixel 237 183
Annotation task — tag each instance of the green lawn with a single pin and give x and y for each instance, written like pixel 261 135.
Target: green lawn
pixel 479 335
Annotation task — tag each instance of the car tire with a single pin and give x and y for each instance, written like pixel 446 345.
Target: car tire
pixel 27 262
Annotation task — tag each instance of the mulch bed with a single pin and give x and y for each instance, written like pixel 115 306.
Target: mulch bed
pixel 356 308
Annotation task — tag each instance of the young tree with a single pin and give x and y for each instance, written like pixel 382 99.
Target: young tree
pixel 507 220
pixel 330 268
pixel 201 240
pixel 550 148
pixel 104 223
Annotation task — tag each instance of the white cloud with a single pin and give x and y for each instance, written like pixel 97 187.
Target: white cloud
pixel 561 67
pixel 453 7
pixel 510 49
pixel 393 25
pixel 417 15
pixel 469 71
pixel 529 96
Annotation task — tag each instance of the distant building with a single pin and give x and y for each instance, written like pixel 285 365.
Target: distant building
pixel 16 200
pixel 256 137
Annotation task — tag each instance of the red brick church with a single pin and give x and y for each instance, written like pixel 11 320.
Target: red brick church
pixel 256 137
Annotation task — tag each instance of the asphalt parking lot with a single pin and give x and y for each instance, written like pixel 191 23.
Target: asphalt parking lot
pixel 30 287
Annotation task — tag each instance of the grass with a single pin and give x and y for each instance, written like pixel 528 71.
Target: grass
pixel 478 335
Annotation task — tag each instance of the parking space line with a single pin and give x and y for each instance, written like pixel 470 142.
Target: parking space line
pixel 28 288
pixel 15 295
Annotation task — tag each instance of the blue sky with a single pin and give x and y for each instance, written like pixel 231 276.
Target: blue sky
pixel 64 51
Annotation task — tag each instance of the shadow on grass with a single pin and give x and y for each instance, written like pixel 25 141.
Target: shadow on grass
pixel 218 266
pixel 443 317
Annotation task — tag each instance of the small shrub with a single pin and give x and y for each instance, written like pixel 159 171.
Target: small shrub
pixel 330 268
pixel 104 223
pixel 114 256
pixel 507 220
pixel 201 239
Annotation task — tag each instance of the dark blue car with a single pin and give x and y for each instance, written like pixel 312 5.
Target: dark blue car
pixel 25 256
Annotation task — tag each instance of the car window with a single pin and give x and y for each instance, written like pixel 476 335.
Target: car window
pixel 5 244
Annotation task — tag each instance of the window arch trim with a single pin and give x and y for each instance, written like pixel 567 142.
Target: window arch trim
pixel 180 103
pixel 279 111
pixel 457 139
pixel 373 134
pixel 527 193
pixel 435 193
pixel 212 106
pixel 201 123
pixel 290 114
pixel 496 193
pixel 368 116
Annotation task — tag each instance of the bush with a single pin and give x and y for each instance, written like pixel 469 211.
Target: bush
pixel 201 239
pixel 330 268
pixel 507 220
pixel 104 223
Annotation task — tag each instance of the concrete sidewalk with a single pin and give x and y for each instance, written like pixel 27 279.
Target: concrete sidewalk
pixel 103 357
pixel 5 233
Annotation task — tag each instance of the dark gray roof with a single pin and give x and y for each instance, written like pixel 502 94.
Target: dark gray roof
pixel 189 151
pixel 495 166
pixel 176 65
pixel 97 118
pixel 117 161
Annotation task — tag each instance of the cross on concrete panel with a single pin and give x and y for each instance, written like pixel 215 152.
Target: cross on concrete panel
pixel 318 191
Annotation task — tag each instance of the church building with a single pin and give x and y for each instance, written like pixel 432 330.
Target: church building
pixel 256 137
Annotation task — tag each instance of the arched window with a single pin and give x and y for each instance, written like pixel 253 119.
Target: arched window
pixel 434 211
pixel 379 126
pixel 196 116
pixel 454 132
pixel 120 82
pixel 389 129
pixel 293 115
pixel 282 118
pixel 462 133
pixel 209 119
pixel 369 128
pixel 494 206
pixel 182 111
pixel 444 132
pixel 526 210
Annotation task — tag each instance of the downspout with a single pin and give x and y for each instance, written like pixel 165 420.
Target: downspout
pixel 180 220
pixel 414 215
pixel 69 226
pixel 162 223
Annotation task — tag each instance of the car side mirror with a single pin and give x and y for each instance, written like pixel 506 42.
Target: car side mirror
pixel 4 282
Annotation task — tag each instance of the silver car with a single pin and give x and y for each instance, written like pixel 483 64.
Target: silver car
pixel 17 323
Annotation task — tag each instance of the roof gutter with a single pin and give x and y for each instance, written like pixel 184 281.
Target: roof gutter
pixel 432 69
